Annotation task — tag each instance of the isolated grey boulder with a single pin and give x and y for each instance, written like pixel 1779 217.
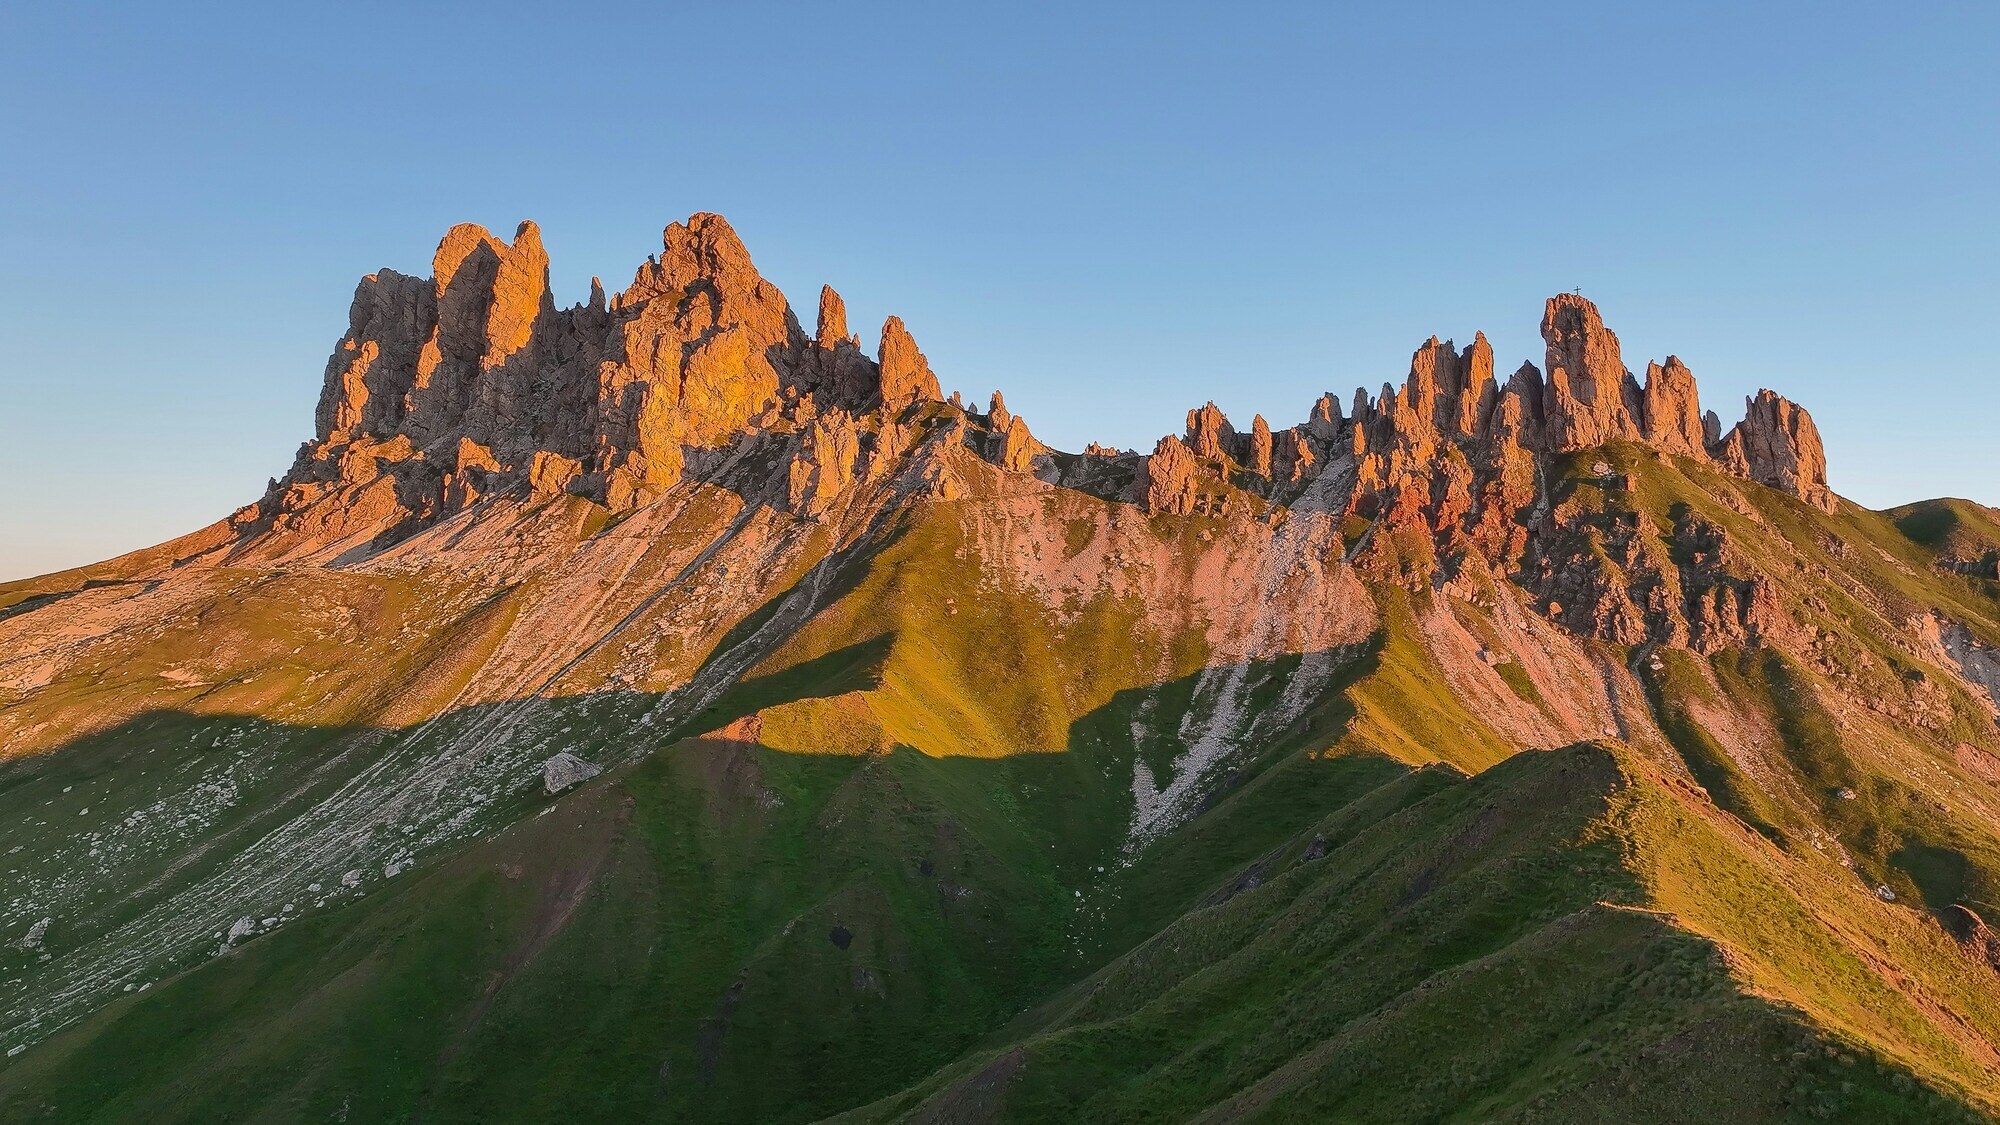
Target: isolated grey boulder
pixel 565 770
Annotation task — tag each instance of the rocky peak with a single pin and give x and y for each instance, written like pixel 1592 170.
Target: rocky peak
pixel 906 375
pixel 450 390
pixel 832 327
pixel 1777 444
pixel 1172 478
pixel 845 376
pixel 1259 461
pixel 705 254
pixel 1325 421
pixel 1433 375
pixel 607 397
pixel 1018 447
pixel 997 415
pixel 1473 396
pixel 1673 409
pixel 1209 434
pixel 1588 385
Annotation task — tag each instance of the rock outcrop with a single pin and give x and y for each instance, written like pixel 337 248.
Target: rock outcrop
pixel 566 770
pixel 997 415
pixel 846 375
pixel 1171 478
pixel 1592 399
pixel 1462 463
pixel 906 375
pixel 825 465
pixel 1673 422
pixel 448 392
pixel 472 384
pixel 1209 434
pixel 1018 447
pixel 1777 444
pixel 1260 446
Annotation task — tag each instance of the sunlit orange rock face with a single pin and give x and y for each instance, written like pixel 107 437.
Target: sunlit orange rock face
pixel 1592 399
pixel 905 375
pixel 1777 444
pixel 606 399
pixel 473 384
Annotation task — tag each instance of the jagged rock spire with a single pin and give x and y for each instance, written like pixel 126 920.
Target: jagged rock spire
pixel 996 413
pixel 1475 391
pixel 1259 461
pixel 1452 443
pixel 1673 409
pixel 472 382
pixel 1590 399
pixel 906 375
pixel 1209 434
pixel 1018 446
pixel 832 327
pixel 1171 483
pixel 1777 444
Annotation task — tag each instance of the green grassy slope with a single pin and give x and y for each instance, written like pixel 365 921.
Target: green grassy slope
pixel 1449 949
pixel 727 932
pixel 722 933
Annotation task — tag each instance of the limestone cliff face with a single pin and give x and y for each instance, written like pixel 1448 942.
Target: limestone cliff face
pixel 1592 398
pixel 1673 409
pixel 1455 466
pixel 1452 442
pixel 1776 444
pixel 472 385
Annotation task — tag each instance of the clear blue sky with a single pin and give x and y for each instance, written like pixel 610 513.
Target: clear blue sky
pixel 1112 215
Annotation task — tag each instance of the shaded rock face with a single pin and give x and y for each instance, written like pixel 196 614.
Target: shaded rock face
pixel 1599 574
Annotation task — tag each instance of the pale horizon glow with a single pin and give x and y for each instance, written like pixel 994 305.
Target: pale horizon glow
pixel 1112 216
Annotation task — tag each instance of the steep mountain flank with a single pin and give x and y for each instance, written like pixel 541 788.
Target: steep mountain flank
pixel 1485 749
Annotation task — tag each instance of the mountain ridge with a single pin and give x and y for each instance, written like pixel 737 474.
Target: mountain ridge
pixel 912 727
pixel 475 381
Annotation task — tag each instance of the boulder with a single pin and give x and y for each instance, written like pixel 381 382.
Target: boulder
pixel 566 770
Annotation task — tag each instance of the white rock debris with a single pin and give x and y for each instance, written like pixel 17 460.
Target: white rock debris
pixel 565 770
